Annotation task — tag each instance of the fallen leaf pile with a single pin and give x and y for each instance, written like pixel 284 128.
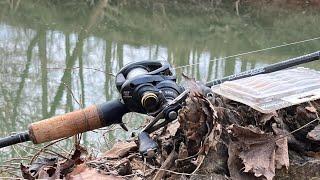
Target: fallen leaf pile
pixel 259 152
pixel 212 138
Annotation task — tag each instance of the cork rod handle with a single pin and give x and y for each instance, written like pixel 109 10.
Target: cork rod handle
pixel 90 118
pixel 65 125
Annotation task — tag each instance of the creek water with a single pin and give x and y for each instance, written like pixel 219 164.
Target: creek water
pixel 52 53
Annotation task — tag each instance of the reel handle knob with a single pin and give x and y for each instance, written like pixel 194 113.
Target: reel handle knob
pixel 149 101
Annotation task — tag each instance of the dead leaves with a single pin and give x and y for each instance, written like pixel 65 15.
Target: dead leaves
pixel 314 134
pixel 172 128
pixel 52 167
pixel 267 117
pixel 197 118
pixel 213 138
pixel 200 139
pixel 311 109
pixel 82 172
pixel 120 149
pixel 260 153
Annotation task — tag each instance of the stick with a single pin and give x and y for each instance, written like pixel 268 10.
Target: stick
pixel 166 165
pixel 42 149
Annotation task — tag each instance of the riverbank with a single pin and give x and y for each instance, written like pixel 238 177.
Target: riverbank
pixel 213 138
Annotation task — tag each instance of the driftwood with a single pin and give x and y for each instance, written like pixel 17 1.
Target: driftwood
pixel 213 138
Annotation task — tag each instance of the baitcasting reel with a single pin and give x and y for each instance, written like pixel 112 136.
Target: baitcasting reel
pixel 147 86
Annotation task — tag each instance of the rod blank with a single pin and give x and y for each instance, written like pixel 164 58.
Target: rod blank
pixel 14 139
pixel 268 69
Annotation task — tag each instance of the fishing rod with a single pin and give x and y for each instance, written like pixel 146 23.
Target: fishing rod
pixel 146 87
pixel 268 69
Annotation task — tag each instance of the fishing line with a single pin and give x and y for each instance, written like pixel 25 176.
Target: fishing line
pixel 251 52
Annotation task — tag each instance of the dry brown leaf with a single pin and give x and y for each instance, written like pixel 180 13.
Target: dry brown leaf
pixel 311 109
pixel 49 172
pixel 25 172
pixel 235 164
pixel 249 135
pixel 183 151
pixel 260 159
pixel 85 173
pixel 171 130
pixel 138 164
pixel 212 139
pixel 120 149
pixel 282 154
pixel 136 177
pixel 267 117
pixel 259 152
pixel 314 134
pixel 197 118
pixel 75 159
pixel 41 163
pixel 313 154
pixel 173 127
pixel 78 169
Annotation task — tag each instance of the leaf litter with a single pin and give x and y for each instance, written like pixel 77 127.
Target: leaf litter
pixel 212 138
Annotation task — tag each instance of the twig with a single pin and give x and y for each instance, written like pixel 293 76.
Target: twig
pixel 16 159
pixel 64 150
pixel 55 153
pixel 317 119
pixel 8 167
pixel 9 177
pixel 110 129
pixel 129 175
pixel 200 163
pixel 126 160
pixel 46 146
pixel 166 165
pixel 237 6
pixel 13 174
pixel 27 152
pixel 190 157
pixel 72 94
pixel 17 164
pixel 47 151
pixel 13 147
pixel 144 166
pixel 77 138
pixel 174 172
